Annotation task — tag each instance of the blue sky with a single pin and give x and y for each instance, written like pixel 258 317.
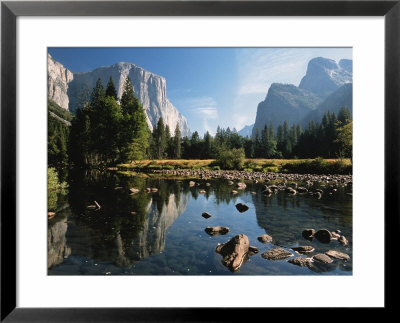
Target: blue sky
pixel 209 86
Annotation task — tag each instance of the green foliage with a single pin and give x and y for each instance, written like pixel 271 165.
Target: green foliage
pixel 58 136
pixel 317 166
pixel 105 132
pixel 53 182
pixel 271 169
pixel 345 140
pixel 230 158
pixel 111 91
pixel 177 149
pixel 56 109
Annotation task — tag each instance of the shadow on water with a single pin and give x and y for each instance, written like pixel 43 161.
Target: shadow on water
pixel 159 230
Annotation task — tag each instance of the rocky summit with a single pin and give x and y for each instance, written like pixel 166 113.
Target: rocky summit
pixel 327 86
pixel 325 76
pixel 58 78
pixel 65 88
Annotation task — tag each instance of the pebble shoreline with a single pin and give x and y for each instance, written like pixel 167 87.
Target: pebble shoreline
pixel 257 176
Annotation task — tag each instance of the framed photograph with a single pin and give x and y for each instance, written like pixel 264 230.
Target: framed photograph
pixel 196 155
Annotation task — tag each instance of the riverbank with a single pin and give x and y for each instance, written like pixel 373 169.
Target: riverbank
pixel 284 166
pixel 308 179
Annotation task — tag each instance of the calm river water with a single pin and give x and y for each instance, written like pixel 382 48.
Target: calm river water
pixel 162 232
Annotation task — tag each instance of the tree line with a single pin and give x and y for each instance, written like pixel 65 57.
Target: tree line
pixel 107 131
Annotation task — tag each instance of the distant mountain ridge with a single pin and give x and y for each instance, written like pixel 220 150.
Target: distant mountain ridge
pixel 327 85
pixel 148 87
pixel 246 131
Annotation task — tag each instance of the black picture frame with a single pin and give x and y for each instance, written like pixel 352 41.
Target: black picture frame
pixel 10 10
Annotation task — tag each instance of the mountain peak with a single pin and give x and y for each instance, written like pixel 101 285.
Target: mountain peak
pixel 147 86
pixel 324 75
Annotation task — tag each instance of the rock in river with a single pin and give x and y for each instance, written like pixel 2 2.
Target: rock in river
pixel 206 215
pixel 241 186
pixel 191 183
pixel 343 240
pixel 213 231
pixel 308 234
pixel 234 252
pixel 302 262
pixel 253 250
pixel 276 254
pixel 134 190
pixel 304 249
pixel 242 207
pixel 322 258
pixel 337 255
pixel 335 236
pixel 51 215
pixel 323 235
pixel 265 238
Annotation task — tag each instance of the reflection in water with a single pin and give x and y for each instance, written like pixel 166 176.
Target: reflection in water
pixel 57 242
pixel 162 232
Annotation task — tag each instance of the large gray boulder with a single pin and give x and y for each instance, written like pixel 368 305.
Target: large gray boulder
pixel 234 252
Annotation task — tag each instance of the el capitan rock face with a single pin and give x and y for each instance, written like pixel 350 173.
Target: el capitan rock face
pixel 65 88
pixel 150 88
pixel 58 79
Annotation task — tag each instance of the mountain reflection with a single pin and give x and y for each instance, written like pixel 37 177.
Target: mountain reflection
pixel 284 216
pixel 127 227
pixel 57 247
pixel 143 233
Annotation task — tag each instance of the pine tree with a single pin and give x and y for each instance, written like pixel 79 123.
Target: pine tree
pixel 98 94
pixel 207 146
pixel 177 143
pixel 344 116
pixel 111 91
pixel 159 139
pixel 135 134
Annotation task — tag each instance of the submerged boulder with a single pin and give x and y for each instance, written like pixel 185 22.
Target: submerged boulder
pixel 265 238
pixel 302 262
pixel 290 190
pixel 213 231
pixel 343 240
pixel 318 195
pixel 302 190
pixel 337 255
pixel 242 207
pixel 308 234
pixel 206 215
pixel 323 235
pixel 322 258
pixel 267 191
pixel 234 252
pixel 335 236
pixel 276 254
pixel 304 249
pixel 253 250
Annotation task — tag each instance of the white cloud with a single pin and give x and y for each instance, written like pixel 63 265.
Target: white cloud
pixel 201 110
pixel 258 68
